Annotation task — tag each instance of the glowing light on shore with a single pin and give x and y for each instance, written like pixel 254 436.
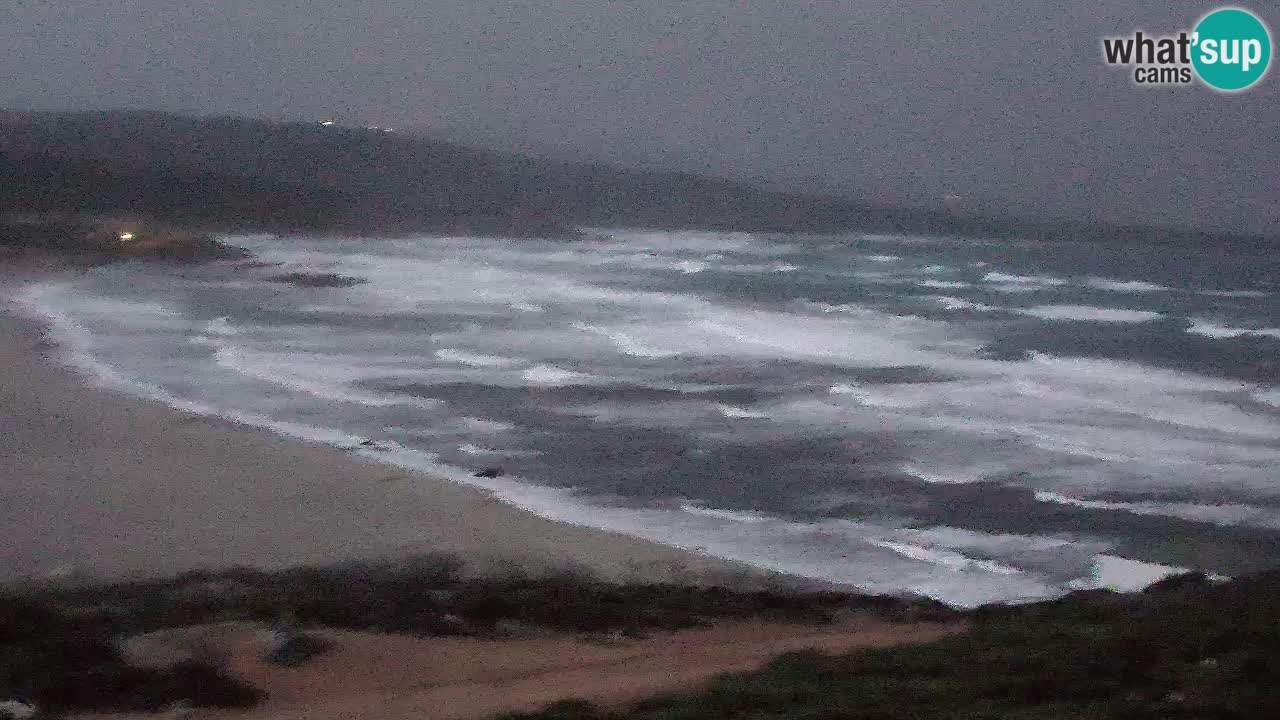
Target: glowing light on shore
pixel 126 236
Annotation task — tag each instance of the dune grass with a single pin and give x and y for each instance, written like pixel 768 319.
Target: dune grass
pixel 1183 649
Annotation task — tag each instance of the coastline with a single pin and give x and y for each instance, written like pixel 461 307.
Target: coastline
pixel 98 484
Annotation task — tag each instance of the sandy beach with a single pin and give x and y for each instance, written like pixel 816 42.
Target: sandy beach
pixel 100 484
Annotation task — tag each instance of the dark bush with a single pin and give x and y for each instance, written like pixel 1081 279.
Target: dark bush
pixel 69 661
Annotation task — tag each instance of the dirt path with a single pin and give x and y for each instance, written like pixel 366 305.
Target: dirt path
pixel 394 677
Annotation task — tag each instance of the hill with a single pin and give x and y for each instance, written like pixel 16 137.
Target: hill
pixel 250 174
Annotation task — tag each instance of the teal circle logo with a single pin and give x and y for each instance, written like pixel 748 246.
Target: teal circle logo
pixel 1231 49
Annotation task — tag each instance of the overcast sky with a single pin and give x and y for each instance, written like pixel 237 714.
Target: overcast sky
pixel 1007 101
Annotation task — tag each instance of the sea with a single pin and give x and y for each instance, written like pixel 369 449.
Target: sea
pixel 975 420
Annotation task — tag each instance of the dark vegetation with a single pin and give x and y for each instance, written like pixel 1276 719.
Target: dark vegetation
pixel 58 645
pixel 431 595
pixel 1183 649
pixel 239 173
pixel 92 240
pixel 60 659
pixel 293 648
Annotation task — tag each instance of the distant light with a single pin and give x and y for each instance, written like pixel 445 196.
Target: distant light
pixel 126 236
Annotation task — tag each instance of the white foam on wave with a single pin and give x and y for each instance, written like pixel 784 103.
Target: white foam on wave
pixel 876 395
pixel 883 258
pixel 221 326
pixel 326 377
pixel 946 558
pixel 738 516
pixel 955 303
pixel 1009 283
pixel 1222 332
pixel 135 316
pixel 945 284
pixel 934 477
pixel 1224 514
pixel 1069 422
pixel 732 411
pixel 1124 286
pixel 1088 313
pixel 1006 278
pixel 625 341
pixel 475 359
pixel 1124 575
pixel 477 450
pixel 525 307
pixel 551 376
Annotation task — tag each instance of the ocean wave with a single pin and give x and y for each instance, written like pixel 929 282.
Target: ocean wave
pixel 475 359
pixel 1224 514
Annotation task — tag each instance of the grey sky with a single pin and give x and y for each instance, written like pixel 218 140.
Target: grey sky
pixel 1005 100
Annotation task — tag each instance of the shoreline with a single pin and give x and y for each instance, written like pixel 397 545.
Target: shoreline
pixel 99 484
